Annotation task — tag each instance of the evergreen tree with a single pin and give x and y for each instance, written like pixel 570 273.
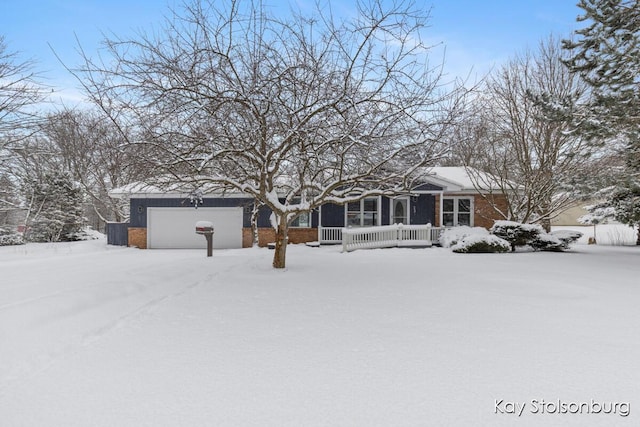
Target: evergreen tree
pixel 55 212
pixel 606 54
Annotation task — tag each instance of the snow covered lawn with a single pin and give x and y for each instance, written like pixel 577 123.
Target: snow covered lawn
pixel 92 335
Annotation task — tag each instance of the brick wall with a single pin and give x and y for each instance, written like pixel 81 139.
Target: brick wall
pixel 267 235
pixel 303 235
pixel 484 214
pixel 138 237
pixel 247 237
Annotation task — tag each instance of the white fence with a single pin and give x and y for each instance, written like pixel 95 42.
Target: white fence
pixel 330 234
pixel 387 236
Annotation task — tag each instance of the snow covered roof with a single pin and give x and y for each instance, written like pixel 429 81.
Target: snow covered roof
pixel 461 179
pixel 144 190
pixel 452 179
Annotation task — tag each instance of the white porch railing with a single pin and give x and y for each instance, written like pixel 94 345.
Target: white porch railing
pixel 411 233
pixel 386 236
pixel 330 234
pixel 435 234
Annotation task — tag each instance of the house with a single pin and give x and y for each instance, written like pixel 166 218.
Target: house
pixel 569 217
pixel 446 196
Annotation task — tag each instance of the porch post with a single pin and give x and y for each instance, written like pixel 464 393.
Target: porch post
pixel 319 224
pixel 440 215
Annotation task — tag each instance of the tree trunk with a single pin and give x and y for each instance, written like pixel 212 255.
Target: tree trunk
pixel 638 237
pixel 254 224
pixel 279 257
pixel 546 224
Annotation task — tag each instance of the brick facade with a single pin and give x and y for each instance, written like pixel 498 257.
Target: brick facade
pixel 488 207
pixel 484 212
pixel 138 237
pixel 268 235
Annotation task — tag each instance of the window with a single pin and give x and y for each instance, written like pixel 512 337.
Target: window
pixel 301 221
pixel 456 211
pixel 400 211
pixel 363 213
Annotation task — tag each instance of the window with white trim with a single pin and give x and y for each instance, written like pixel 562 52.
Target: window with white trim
pixel 363 213
pixel 457 211
pixel 303 220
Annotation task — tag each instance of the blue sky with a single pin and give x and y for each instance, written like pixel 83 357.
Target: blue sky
pixel 477 34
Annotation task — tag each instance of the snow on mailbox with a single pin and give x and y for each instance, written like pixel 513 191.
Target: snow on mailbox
pixel 206 228
pixel 203 227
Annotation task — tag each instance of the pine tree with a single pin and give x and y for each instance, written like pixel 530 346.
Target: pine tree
pixel 606 54
pixel 55 208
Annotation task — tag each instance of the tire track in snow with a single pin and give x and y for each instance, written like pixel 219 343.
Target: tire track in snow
pixel 43 362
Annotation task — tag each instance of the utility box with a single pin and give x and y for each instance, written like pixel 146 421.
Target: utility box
pixel 206 229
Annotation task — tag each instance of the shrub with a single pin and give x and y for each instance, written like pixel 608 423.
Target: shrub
pixel 481 244
pixel 86 233
pixel 451 236
pixel 9 237
pixel 547 242
pixel 517 234
pixel 567 237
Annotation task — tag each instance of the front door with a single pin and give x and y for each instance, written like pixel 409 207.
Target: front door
pixel 400 210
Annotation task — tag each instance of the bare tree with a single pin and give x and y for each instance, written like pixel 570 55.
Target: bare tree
pixel 294 113
pixel 19 92
pixel 532 159
pixel 92 150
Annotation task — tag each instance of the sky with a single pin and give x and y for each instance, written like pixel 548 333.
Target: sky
pixel 471 36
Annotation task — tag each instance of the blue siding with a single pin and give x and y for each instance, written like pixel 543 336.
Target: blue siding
pixel 385 211
pixel 138 213
pixel 427 187
pixel 423 209
pixel 138 216
pixel 118 233
pixel 264 216
pixel 332 215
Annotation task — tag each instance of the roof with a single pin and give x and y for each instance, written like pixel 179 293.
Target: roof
pixel 452 179
pixel 462 179
pixel 169 190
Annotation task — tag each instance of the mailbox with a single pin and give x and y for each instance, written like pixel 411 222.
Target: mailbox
pixel 206 228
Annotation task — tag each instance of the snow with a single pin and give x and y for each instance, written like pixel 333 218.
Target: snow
pixel 513 224
pixel 473 239
pixel 452 236
pixel 466 178
pixel 606 234
pixel 97 335
pixel 204 224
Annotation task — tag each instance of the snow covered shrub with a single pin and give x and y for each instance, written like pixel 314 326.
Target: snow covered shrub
pixel 9 237
pixel 451 236
pixel 547 242
pixel 567 237
pixel 515 233
pixel 478 243
pixel 86 233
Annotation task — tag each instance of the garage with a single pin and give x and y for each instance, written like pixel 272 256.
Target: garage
pixel 174 228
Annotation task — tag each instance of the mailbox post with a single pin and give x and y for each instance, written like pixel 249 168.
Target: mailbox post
pixel 206 228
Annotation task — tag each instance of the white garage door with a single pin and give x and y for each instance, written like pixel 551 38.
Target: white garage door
pixel 175 228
